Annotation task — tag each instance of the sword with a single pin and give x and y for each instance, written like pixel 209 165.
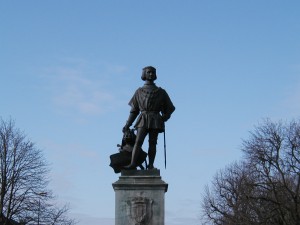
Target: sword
pixel 165 148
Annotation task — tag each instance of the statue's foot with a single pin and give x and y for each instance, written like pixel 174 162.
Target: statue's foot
pixel 142 167
pixel 151 167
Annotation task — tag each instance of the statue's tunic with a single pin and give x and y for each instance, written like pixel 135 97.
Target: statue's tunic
pixel 154 105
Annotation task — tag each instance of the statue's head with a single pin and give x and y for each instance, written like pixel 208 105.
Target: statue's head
pixel 149 73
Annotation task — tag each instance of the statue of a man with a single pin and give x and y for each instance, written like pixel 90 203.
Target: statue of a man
pixel 153 107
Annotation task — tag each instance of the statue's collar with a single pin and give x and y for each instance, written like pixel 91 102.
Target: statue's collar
pixel 147 83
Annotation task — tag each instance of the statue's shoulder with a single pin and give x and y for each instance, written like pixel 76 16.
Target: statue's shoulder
pixel 138 90
pixel 161 90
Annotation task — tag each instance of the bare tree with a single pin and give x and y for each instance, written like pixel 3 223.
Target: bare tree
pixel 23 180
pixel 227 201
pixel 265 187
pixel 273 151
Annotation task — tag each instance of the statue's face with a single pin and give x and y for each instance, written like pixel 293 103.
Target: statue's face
pixel 150 74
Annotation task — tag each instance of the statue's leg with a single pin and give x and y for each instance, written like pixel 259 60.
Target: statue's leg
pixel 153 134
pixel 140 137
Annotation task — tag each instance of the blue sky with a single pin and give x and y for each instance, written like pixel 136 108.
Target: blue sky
pixel 69 68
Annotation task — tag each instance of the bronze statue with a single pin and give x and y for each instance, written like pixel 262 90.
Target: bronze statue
pixel 153 107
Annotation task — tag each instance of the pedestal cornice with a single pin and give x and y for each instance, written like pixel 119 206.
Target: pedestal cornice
pixel 140 179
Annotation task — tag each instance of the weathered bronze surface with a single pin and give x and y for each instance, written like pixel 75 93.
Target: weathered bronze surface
pixel 151 107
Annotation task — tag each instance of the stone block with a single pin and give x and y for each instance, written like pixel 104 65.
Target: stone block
pixel 140 198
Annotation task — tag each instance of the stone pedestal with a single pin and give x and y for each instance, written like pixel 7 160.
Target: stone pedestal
pixel 140 198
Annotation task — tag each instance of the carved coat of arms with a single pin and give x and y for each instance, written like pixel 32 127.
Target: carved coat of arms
pixel 139 210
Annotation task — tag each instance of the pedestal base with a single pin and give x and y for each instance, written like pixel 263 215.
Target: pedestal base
pixel 140 198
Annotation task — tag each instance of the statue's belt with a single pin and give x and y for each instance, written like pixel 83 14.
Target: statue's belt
pixel 145 112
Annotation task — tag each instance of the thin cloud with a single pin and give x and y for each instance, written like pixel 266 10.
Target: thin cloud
pixel 78 88
pixel 81 94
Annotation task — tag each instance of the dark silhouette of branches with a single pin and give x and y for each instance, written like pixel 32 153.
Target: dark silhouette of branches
pixel 23 181
pixel 264 187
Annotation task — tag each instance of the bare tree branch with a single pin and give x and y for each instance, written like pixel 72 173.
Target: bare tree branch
pixel 23 179
pixel 264 187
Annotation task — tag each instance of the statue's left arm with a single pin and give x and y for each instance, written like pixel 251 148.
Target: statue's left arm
pixel 168 108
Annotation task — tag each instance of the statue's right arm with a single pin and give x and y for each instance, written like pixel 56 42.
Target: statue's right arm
pixel 134 112
pixel 131 119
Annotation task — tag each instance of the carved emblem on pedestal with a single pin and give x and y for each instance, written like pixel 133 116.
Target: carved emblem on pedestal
pixel 139 210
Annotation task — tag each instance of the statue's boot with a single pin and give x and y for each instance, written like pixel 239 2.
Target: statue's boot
pixel 134 157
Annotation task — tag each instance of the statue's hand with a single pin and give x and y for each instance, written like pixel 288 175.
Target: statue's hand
pixel 165 117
